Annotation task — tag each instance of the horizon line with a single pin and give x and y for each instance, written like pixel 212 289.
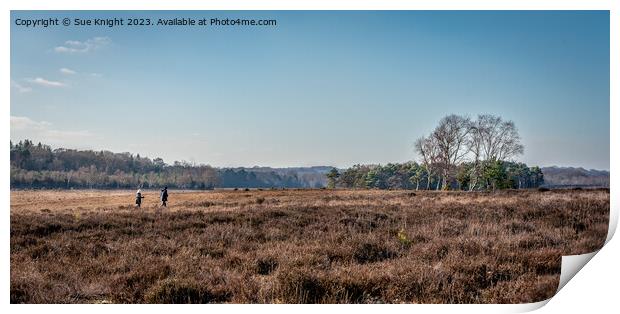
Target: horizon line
pixel 283 166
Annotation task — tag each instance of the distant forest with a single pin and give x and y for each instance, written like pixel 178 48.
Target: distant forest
pixel 40 166
pixel 566 177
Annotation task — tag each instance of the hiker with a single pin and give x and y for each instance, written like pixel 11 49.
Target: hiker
pixel 163 196
pixel 139 198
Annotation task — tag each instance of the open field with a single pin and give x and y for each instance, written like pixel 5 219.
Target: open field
pixel 308 246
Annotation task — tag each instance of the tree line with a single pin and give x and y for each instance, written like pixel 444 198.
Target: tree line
pixel 40 166
pixel 460 153
pixel 414 176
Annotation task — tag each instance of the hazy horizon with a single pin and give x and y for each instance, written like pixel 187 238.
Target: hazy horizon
pixel 286 166
pixel 333 88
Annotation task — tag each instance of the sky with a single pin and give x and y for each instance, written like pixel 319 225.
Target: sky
pixel 331 88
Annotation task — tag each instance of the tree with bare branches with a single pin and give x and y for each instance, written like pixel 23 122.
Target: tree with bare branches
pixel 458 140
pixel 427 148
pixel 499 139
pixel 451 137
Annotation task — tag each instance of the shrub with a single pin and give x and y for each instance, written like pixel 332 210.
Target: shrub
pixel 403 238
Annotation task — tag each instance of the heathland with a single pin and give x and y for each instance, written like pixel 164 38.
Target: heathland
pixel 299 246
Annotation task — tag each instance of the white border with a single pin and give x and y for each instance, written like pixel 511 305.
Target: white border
pixel 571 297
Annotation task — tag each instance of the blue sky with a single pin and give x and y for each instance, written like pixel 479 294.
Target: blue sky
pixel 321 88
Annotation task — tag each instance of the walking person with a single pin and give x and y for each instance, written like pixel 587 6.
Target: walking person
pixel 163 196
pixel 139 198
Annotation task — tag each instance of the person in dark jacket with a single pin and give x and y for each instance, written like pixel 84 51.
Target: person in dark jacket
pixel 139 198
pixel 163 196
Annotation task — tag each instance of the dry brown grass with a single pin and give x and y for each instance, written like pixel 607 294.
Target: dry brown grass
pixel 305 246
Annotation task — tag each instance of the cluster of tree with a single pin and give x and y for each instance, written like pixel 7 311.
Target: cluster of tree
pixel 460 153
pixel 40 166
pixel 411 175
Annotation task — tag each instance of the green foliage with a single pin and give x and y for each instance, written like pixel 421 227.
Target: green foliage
pixel 332 176
pixel 493 174
pixel 463 176
pixel 403 238
pixel 418 173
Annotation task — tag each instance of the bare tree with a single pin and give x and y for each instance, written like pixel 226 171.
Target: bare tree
pixel 475 146
pixel 427 148
pixel 451 136
pixel 491 138
pixel 499 139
